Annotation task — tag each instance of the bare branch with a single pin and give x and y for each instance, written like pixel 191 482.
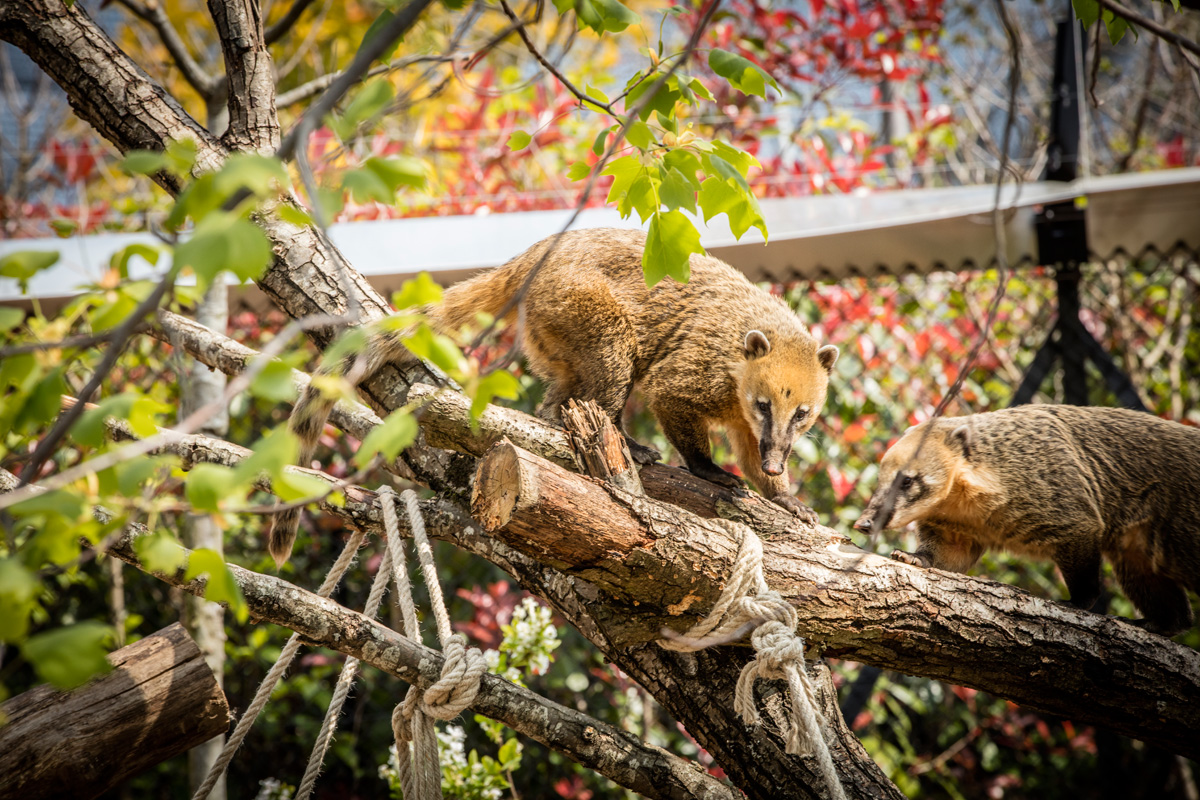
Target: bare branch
pixel 317 85
pixel 207 86
pixel 396 27
pixel 1161 31
pixel 280 27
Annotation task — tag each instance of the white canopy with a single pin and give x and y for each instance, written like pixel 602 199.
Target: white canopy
pixel 825 236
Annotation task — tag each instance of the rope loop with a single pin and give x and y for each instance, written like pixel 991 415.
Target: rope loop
pixel 747 601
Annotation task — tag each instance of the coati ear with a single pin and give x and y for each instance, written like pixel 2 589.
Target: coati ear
pixel 962 437
pixel 828 356
pixel 756 345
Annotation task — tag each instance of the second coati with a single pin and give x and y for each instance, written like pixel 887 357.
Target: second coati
pixel 716 350
pixel 1066 483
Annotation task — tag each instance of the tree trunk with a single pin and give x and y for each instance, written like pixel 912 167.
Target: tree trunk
pixel 160 699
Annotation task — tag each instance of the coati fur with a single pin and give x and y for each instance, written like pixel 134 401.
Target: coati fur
pixel 1066 483
pixel 716 350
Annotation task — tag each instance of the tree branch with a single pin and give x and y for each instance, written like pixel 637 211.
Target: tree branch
pixel 615 754
pixel 968 631
pixel 207 86
pixel 249 74
pixel 1158 30
pixel 396 27
pixel 276 30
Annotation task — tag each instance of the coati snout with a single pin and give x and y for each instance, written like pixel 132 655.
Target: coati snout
pixel 1061 482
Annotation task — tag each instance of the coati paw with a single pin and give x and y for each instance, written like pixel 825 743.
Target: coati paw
pixel 718 476
pixel 909 558
pixel 793 505
pixel 641 453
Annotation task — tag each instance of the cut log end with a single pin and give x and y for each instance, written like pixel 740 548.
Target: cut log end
pixel 498 486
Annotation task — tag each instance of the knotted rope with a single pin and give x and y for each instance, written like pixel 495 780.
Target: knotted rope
pixel 455 690
pixel 748 603
pixel 272 679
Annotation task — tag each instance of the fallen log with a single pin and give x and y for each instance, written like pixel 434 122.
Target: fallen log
pixel 160 700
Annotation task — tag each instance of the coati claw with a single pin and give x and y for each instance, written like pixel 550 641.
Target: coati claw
pixel 793 505
pixel 909 558
pixel 641 453
pixel 720 477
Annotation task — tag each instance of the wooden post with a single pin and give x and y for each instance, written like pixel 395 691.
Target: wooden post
pixel 160 700
pixel 600 447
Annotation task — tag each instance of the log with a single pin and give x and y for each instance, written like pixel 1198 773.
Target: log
pixel 665 566
pixel 160 700
pixel 600 448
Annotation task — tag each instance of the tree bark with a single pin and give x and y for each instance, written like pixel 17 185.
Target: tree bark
pixel 160 699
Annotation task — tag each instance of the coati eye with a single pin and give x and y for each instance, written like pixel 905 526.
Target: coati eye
pixel 763 406
pixel 801 413
pixel 906 483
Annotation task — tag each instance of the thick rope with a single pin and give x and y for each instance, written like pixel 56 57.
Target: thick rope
pixel 455 690
pixel 272 679
pixel 747 602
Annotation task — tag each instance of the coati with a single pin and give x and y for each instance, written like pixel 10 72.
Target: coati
pixel 1061 482
pixel 714 351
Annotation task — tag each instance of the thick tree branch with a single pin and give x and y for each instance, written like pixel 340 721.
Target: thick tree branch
pixel 249 75
pixel 968 631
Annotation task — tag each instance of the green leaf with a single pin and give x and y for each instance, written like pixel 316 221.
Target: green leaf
pixel 293 486
pixel 24 264
pixel 671 240
pixel 726 196
pixel 260 175
pixel 599 15
pixel 274 383
pixel 142 414
pixel 435 348
pixel 499 384
pixel 662 102
pixel 386 16
pixel 366 186
pixel 601 141
pixel 11 318
pixel 120 259
pixel 224 242
pixel 181 156
pixel 208 485
pixel 742 73
pixel 64 228
pixel 519 140
pixel 579 170
pixel 419 291
pixel 114 312
pixel 132 475
pixel 641 196
pixel 509 755
pixel 1115 25
pixel 740 159
pixel 159 552
pixel 221 588
pixel 397 432
pixel 686 164
pixel 61 502
pixel 677 191
pixel 625 171
pixel 368 102
pixel 71 656
pixel 639 135
pixel 397 171
pixel 143 162
pixel 294 215
pixel 1087 11
pixel 19 589
pixel 700 89
pixel 44 401
pixel 269 456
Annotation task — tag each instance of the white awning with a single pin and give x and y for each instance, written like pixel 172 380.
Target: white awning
pixel 825 236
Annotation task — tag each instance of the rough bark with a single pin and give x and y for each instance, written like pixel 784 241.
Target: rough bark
pixel 160 699
pixel 250 76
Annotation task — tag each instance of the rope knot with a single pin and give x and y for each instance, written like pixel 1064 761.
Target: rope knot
pixel 455 691
pixel 779 652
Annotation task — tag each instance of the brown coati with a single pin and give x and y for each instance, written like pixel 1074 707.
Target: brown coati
pixel 714 351
pixel 1059 482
